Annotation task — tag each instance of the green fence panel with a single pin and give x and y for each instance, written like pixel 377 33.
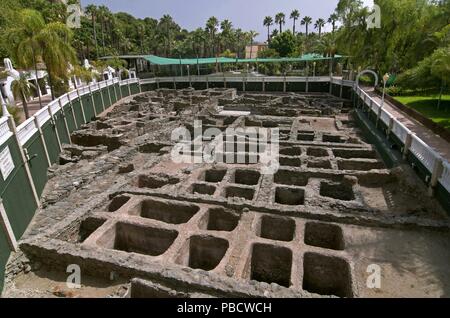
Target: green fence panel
pixel 88 107
pixel 234 84
pixel 113 95
pixel 16 192
pixel 76 105
pixel 444 197
pixel 104 92
pixel 4 255
pixel 98 101
pixel 196 85
pixel 61 126
pixel 336 89
pixel 38 163
pixel 48 131
pixel 274 87
pixel 319 87
pixel 347 92
pixel 251 87
pixel 295 87
pixel 124 89
pixel 69 118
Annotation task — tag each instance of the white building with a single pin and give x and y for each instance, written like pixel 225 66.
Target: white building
pixel 12 74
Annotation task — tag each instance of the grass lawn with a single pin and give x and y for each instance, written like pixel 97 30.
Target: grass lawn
pixel 427 106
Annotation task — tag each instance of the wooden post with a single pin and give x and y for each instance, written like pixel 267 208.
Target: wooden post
pixel 73 112
pixel 436 174
pixel 115 91
pixel 41 136
pixel 12 127
pixel 65 120
pixel 82 106
pixel 93 102
pixel 109 94
pixel 101 96
pixel 6 225
pixel 408 142
pixel 53 121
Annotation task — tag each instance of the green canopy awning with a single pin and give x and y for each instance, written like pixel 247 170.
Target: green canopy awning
pixel 157 60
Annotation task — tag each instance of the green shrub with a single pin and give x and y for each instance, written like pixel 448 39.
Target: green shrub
pixel 15 113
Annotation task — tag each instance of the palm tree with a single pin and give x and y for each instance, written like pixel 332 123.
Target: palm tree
pixel 104 15
pixel 306 21
pixel 280 19
pixel 91 10
pixel 24 46
pixel 320 23
pixel 226 26
pixel 165 25
pixel 55 42
pixel 21 90
pixel 268 22
pixel 295 15
pixel 211 27
pixel 333 19
pixel 274 33
pixel 252 35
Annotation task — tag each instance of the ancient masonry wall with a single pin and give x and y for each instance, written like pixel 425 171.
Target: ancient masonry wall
pixel 33 147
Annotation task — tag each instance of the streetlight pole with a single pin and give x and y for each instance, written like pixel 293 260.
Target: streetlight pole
pixel 385 79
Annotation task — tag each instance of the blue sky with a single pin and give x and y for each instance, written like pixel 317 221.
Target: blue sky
pixel 245 14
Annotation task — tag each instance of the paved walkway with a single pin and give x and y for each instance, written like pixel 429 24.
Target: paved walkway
pixel 34 106
pixel 440 145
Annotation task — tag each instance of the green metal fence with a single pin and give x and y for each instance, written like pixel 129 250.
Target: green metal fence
pixel 28 150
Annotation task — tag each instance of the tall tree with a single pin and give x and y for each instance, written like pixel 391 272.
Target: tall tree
pixel 25 46
pixel 295 15
pixel 320 23
pixel 91 10
pixel 268 22
pixel 280 19
pixel 306 21
pixel 332 20
pixel 252 35
pixel 211 27
pixel 21 89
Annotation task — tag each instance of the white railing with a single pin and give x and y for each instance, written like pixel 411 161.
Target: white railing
pixel 400 131
pixel 424 153
pixel 42 116
pixel 26 130
pixel 445 177
pixel 54 106
pixel 5 132
pixel 385 116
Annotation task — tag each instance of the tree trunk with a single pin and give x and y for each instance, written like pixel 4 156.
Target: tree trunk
pixel 50 82
pixel 37 84
pixel 25 106
pixel 293 28
pixel 95 36
pixel 268 34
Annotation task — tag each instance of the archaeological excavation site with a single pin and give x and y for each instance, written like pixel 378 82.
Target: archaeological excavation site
pixel 336 209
